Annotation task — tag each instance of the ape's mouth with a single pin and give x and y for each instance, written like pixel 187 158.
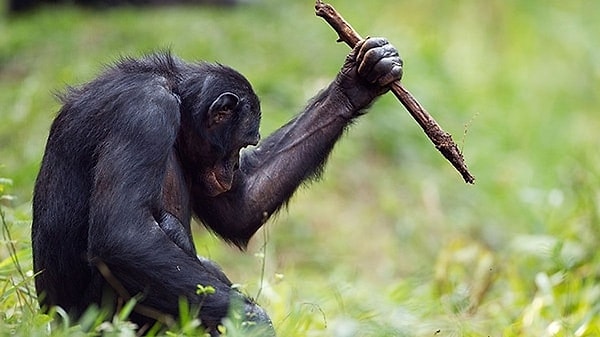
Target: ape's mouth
pixel 224 183
pixel 218 180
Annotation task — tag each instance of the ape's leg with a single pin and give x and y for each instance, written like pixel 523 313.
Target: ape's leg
pixel 253 313
pixel 173 228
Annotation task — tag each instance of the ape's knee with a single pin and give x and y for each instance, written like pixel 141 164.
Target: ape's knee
pixel 257 315
pixel 249 316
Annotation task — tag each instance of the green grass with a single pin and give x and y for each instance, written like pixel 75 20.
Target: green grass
pixel 391 242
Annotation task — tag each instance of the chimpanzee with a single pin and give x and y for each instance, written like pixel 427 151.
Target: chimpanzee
pixel 151 142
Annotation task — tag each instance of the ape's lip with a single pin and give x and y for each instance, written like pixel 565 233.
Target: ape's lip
pixel 224 182
pixel 219 183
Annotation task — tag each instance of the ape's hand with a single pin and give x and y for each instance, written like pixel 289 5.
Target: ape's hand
pixel 369 70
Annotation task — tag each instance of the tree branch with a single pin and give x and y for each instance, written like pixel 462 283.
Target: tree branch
pixel 441 139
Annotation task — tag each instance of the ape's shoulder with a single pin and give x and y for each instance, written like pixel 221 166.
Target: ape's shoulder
pixel 161 68
pixel 161 63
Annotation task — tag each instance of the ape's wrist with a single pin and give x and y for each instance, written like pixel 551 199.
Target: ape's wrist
pixel 356 94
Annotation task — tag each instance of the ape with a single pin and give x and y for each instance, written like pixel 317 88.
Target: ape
pixel 135 153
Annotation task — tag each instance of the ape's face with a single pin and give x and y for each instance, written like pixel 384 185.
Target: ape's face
pixel 219 119
pixel 231 123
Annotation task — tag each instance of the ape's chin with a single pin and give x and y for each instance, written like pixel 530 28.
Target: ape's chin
pixel 216 183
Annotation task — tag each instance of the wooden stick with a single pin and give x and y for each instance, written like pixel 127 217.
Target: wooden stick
pixel 441 139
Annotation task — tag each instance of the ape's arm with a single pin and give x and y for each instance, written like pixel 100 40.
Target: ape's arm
pixel 270 173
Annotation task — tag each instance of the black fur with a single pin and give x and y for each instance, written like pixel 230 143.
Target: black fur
pixel 135 153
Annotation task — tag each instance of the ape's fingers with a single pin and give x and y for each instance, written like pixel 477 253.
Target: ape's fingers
pixel 386 71
pixel 371 58
pixel 369 43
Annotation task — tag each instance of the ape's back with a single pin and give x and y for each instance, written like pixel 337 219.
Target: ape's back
pixel 60 212
pixel 65 181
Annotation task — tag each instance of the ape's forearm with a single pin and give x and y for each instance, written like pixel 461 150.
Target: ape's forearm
pixel 270 173
pixel 296 152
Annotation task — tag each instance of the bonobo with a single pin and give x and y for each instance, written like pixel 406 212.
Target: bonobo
pixel 135 153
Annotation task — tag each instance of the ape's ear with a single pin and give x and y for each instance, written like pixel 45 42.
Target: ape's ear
pixel 222 109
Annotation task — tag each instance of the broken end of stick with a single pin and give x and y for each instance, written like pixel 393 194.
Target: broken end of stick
pixel 319 5
pixel 346 33
pixel 468 177
pixel 321 8
pixel 451 152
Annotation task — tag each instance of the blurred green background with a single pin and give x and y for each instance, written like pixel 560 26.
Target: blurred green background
pixel 391 242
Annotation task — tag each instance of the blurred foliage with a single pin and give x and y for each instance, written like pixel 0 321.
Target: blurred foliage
pixel 391 242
